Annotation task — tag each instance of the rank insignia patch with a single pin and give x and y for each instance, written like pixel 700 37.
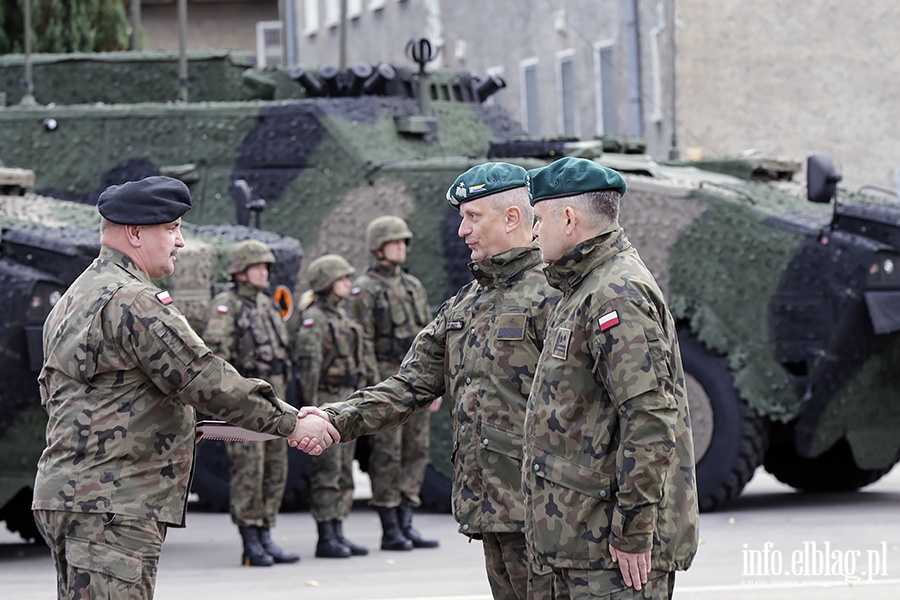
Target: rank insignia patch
pixel 512 326
pixel 561 344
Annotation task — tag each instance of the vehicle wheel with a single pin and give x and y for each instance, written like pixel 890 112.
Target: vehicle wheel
pixel 832 471
pixel 729 437
pixel 211 479
pixel 19 518
pixel 437 491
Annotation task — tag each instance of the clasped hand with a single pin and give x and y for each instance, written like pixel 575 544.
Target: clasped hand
pixel 313 432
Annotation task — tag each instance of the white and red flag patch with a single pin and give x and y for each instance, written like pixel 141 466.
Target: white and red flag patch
pixel 164 297
pixel 222 309
pixel 609 320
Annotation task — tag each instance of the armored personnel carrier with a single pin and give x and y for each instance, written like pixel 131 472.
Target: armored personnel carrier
pixel 787 307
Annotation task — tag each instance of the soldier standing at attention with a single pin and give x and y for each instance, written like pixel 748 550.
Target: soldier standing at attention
pixel 246 329
pixel 123 373
pixel 392 307
pixel 610 490
pixel 331 358
pixel 480 349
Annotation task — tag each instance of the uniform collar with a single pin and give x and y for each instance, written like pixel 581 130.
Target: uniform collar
pixel 125 262
pixel 566 272
pixel 495 269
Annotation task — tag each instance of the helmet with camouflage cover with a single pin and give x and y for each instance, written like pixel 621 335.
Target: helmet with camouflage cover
pixel 327 269
pixel 245 254
pixel 386 229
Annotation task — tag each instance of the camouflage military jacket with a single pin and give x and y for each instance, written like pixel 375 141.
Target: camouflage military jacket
pixel 123 372
pixel 481 348
pixel 246 329
pixel 329 352
pixel 392 307
pixel 608 450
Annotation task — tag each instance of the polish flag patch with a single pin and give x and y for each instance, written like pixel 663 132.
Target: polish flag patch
pixel 222 309
pixel 608 321
pixel 164 297
pixel 309 322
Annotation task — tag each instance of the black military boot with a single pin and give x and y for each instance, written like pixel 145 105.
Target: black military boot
pixel 329 546
pixel 339 533
pixel 391 537
pixel 405 511
pixel 277 554
pixel 254 553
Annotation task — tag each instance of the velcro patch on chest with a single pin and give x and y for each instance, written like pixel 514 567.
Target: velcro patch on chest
pixel 164 297
pixel 454 325
pixel 512 326
pixel 561 344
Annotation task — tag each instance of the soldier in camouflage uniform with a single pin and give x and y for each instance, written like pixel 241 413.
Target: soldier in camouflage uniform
pixel 332 361
pixel 123 373
pixel 609 476
pixel 392 307
pixel 246 329
pixel 481 349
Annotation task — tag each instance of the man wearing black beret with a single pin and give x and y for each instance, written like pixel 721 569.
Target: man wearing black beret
pixel 123 374
pixel 610 490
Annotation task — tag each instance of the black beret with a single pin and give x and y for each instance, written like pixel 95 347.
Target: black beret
pixel 149 201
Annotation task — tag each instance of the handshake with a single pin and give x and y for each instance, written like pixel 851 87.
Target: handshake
pixel 313 432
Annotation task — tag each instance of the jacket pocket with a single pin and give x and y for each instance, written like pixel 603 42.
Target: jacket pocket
pixel 500 461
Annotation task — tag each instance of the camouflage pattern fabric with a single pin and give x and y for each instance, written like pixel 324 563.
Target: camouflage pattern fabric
pixel 581 584
pixel 330 355
pixel 501 315
pixel 102 555
pixel 122 377
pixel 506 560
pixel 244 328
pixel 608 450
pixel 392 307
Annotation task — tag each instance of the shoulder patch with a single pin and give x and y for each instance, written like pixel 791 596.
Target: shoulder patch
pixel 309 322
pixel 222 309
pixel 454 325
pixel 608 321
pixel 164 297
pixel 355 290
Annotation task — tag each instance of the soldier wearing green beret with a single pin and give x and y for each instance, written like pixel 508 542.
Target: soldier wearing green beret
pixel 609 465
pixel 246 329
pixel 122 377
pixel 392 307
pixel 480 350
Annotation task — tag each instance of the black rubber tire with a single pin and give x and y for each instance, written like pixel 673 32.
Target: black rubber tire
pixel 739 435
pixel 832 471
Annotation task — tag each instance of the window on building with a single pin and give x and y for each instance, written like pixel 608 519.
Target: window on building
pixel 531 110
pixel 605 82
pixel 310 17
pixel 268 44
pixel 568 100
pixel 332 13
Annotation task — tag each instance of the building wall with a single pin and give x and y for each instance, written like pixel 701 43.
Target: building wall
pixel 789 78
pixel 499 35
pixel 212 24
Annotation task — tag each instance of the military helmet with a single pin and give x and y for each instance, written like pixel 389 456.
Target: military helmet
pixel 386 229
pixel 327 269
pixel 246 254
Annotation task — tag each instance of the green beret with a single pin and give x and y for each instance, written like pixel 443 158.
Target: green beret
pixel 149 201
pixel 571 176
pixel 484 180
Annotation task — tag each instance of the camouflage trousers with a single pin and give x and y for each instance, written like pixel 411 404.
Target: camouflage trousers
pixel 506 561
pixel 575 584
pixel 102 555
pixel 258 477
pixel 397 461
pixel 331 483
